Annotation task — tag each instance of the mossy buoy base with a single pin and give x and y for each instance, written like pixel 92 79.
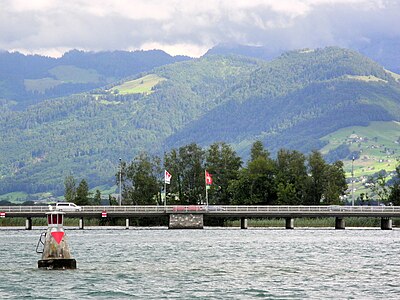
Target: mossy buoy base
pixel 57 264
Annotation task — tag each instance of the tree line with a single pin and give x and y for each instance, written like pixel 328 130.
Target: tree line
pixel 292 178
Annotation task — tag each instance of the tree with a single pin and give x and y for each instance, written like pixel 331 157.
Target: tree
pixel 286 194
pixel 379 187
pixel 97 198
pixel 239 188
pixel 171 164
pixel 142 180
pixel 394 196
pixel 186 166
pixel 291 170
pixel 317 179
pixel 82 193
pixel 262 183
pixel 258 151
pixel 223 163
pixel 69 188
pixel 192 166
pixel 255 184
pixel 326 182
pixel 335 183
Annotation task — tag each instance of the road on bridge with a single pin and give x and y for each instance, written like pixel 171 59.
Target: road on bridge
pixel 212 210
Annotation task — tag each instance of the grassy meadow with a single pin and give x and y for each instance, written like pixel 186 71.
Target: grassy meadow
pixel 378 145
pixel 61 74
pixel 141 85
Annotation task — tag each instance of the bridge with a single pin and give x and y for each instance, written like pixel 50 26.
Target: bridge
pixel 191 216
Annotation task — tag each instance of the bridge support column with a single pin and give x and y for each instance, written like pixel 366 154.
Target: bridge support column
pixel 243 223
pixel 127 223
pixel 289 223
pixel 339 223
pixel 81 224
pixel 186 221
pixel 386 223
pixel 28 223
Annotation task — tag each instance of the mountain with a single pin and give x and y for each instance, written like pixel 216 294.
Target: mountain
pixel 29 79
pixel 261 52
pixel 384 51
pixel 293 102
pixel 300 97
pixel 85 134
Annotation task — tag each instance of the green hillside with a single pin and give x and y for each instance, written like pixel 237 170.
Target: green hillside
pixel 61 75
pixel 74 74
pixel 292 102
pixel 142 85
pixel 377 141
pixel 375 147
pixel 296 99
pixel 41 85
pixel 86 134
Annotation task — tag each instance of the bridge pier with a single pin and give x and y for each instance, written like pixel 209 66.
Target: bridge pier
pixel 243 223
pixel 289 223
pixel 127 223
pixel 339 223
pixel 185 221
pixel 386 223
pixel 81 224
pixel 28 223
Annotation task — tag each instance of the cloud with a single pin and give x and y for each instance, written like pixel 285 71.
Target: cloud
pixel 191 27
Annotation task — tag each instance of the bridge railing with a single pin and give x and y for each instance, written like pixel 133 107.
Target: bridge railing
pixel 326 208
pixel 125 208
pixel 209 209
pixel 24 209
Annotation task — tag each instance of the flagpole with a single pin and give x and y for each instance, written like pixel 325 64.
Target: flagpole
pixel 165 193
pixel 205 180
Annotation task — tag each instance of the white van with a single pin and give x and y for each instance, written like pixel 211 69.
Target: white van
pixel 65 206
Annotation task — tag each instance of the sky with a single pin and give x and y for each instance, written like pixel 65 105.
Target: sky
pixel 191 27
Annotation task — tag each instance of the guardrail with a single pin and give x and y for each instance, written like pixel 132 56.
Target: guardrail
pixel 208 209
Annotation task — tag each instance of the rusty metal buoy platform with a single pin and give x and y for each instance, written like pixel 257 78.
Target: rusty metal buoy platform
pixel 55 253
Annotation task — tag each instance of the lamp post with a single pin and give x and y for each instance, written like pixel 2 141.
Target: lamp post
pixel 120 181
pixel 352 182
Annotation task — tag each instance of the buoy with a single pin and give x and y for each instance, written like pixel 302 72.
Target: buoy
pixel 56 253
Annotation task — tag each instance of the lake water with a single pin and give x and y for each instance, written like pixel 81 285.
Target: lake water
pixel 114 263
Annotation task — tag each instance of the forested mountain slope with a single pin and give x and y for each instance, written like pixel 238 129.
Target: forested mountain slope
pixel 383 50
pixel 28 79
pixel 296 99
pixel 290 102
pixel 86 134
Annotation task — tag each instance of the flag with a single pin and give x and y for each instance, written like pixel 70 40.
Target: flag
pixel 208 178
pixel 167 177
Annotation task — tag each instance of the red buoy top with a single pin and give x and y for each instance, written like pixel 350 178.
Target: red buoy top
pixel 55 218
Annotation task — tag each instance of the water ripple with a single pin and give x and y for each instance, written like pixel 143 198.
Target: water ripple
pixel 211 263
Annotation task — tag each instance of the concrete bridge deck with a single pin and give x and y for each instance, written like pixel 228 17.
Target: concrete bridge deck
pixel 239 211
pixel 191 216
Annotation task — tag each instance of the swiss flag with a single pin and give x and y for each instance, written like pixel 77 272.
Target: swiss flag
pixel 167 177
pixel 208 178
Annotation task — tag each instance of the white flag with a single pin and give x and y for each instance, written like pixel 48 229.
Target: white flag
pixel 167 177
